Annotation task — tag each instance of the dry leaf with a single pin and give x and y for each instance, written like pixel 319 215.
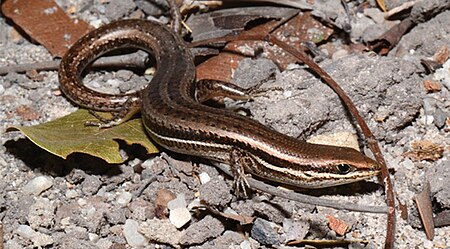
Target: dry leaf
pixel 425 150
pixel 337 225
pixel 423 202
pixel 69 134
pixel 432 86
pixel 45 22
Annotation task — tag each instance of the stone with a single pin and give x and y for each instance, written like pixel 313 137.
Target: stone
pixel 133 237
pixel 38 185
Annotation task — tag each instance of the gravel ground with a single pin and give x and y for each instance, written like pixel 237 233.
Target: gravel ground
pixel 82 202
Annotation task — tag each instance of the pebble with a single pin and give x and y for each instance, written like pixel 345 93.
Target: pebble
pixel 426 120
pixel 263 231
pixel 178 202
pixel 245 244
pixel 295 230
pixel 161 231
pixel 82 202
pixel 124 198
pixel 91 185
pixel 133 237
pixel 93 237
pixel 204 177
pixel 104 244
pixel 207 228
pixel 38 185
pixel 41 213
pixel 38 239
pixel 440 118
pixel 71 193
pixel 179 217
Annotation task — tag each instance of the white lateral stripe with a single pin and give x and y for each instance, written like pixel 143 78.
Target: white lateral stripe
pixel 177 140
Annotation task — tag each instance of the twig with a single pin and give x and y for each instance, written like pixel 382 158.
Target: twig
pixel 134 60
pixel 400 8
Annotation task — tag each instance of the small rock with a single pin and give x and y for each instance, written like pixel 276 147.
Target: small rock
pixel 264 232
pixel 178 202
pixel 204 177
pixel 141 209
pixel 104 243
pixel 133 237
pixel 41 213
pixel 77 232
pixel 91 185
pixel 209 227
pixel 124 198
pixel 93 237
pixel 216 192
pixel 117 216
pixel 161 231
pixel 295 229
pixel 179 217
pixel 71 193
pixel 25 231
pixel 230 238
pixel 118 9
pixel 38 239
pixel 38 185
pixel 439 118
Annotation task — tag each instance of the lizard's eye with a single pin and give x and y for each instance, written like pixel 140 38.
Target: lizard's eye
pixel 343 168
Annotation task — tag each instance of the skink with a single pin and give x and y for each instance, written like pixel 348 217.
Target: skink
pixel 175 120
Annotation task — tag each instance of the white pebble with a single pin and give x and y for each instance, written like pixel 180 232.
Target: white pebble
pixel 204 177
pixel 65 221
pixel 93 237
pixel 179 217
pixel 427 244
pixel 38 239
pixel 287 93
pixel 179 202
pixel 245 244
pixel 82 202
pixel 124 198
pixel 133 237
pixel 25 231
pixel 38 185
pixel 71 193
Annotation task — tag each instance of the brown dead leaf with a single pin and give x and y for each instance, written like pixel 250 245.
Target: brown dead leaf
pixel 45 22
pixel 301 28
pixel 35 75
pixel 383 44
pixel 423 202
pixel 442 55
pixel 219 67
pixel 432 86
pixel 425 150
pixel 337 225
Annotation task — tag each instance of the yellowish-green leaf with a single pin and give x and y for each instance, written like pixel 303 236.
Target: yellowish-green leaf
pixel 69 134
